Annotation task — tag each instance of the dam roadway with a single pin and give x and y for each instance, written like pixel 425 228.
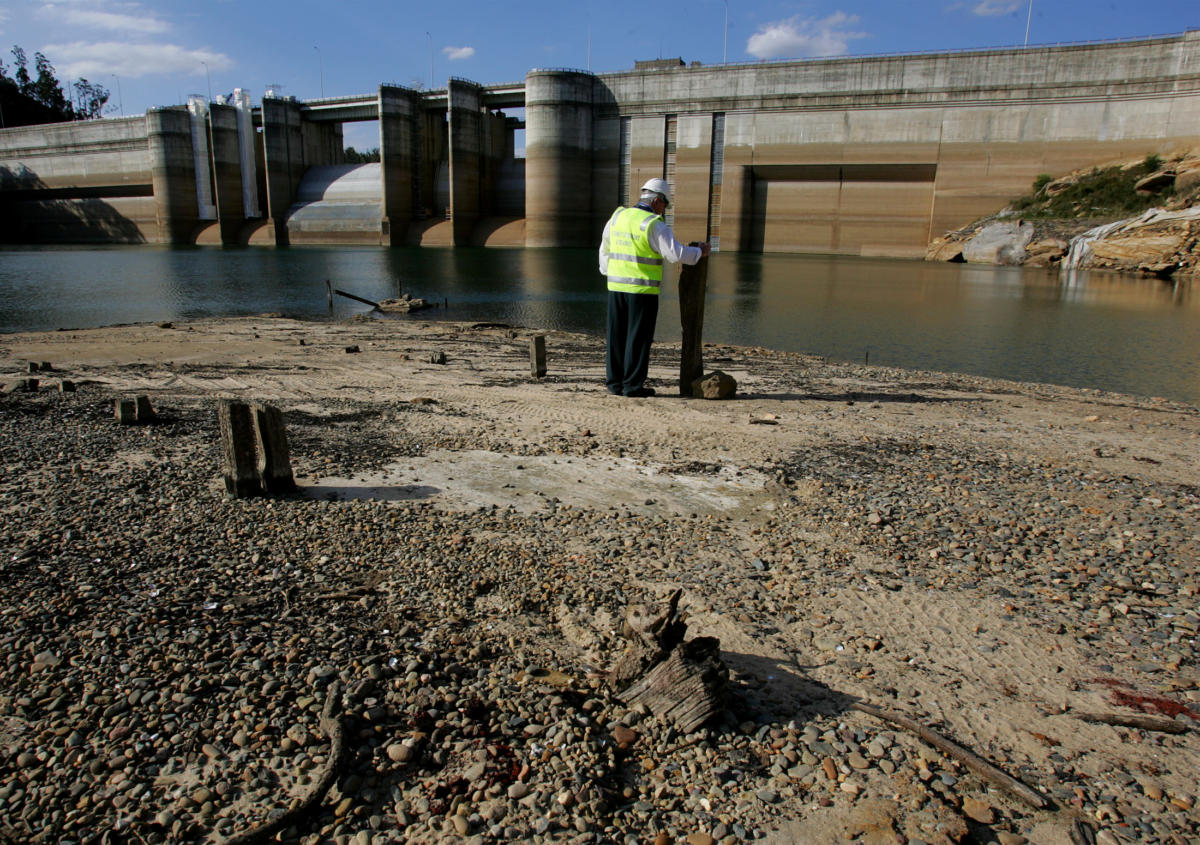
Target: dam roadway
pixel 870 155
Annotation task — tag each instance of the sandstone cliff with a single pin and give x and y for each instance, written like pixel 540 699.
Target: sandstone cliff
pixel 1141 216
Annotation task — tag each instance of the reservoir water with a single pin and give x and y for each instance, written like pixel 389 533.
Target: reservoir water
pixel 1096 330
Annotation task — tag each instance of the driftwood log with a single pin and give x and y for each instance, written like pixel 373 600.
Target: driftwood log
pixel 681 681
pixel 333 727
pixel 952 749
pixel 1162 724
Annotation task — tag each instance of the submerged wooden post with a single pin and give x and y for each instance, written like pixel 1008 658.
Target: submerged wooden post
pixel 693 281
pixel 537 355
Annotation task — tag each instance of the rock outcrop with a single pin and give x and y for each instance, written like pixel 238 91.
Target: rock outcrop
pixel 999 243
pixel 1162 241
pixel 1159 242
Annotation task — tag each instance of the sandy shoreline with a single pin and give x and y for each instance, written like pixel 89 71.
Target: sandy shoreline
pixel 989 558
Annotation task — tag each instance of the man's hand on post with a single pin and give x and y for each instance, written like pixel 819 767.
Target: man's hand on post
pixel 705 249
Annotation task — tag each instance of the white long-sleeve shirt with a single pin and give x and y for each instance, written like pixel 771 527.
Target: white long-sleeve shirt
pixel 662 240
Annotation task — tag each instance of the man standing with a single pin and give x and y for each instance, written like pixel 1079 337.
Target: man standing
pixel 635 243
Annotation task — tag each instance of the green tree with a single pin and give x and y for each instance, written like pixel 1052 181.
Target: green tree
pixel 91 99
pixel 353 156
pixel 46 88
pixel 21 74
pixel 41 99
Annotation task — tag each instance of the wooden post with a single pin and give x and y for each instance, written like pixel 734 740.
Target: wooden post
pixel 254 444
pixel 537 355
pixel 238 447
pixel 133 410
pixel 693 281
pixel 274 464
pixel 145 411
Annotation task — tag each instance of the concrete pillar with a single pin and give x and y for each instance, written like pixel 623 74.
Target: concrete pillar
pixel 466 148
pixel 173 174
pixel 693 172
pixel 398 112
pixel 248 152
pixel 558 158
pixel 227 171
pixel 283 154
pixel 322 143
pixel 434 155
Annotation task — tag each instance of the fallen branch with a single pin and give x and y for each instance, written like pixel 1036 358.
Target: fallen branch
pixel 972 761
pixel 356 298
pixel 1148 723
pixel 335 729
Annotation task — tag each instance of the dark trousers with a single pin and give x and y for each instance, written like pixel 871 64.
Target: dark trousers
pixel 630 331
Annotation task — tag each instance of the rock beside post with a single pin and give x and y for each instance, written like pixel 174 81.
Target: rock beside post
pixel 715 385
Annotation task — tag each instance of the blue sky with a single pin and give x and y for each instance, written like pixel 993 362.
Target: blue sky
pixel 157 53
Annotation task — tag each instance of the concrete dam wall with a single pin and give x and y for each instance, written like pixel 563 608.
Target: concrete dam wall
pixel 868 155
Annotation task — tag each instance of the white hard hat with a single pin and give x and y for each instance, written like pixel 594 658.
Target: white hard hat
pixel 658 186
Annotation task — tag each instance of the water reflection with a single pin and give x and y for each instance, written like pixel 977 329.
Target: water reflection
pixel 1085 329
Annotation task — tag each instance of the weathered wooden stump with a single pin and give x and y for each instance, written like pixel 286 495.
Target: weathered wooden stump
pixel 693 282
pixel 274 464
pixel 537 356
pixel 133 410
pixel 681 681
pixel 254 446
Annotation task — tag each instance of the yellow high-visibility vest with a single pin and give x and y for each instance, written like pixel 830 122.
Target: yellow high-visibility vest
pixel 633 266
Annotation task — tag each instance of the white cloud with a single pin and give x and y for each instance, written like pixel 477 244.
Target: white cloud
pixel 99 59
pixel 70 14
pixel 798 36
pixel 456 53
pixel 996 8
pixel 114 21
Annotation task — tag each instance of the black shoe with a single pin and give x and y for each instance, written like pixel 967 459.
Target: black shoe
pixel 641 393
pixel 615 391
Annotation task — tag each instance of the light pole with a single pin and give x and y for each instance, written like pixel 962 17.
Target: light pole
pixel 1028 18
pixel 120 100
pixel 321 64
pixel 209 78
pixel 430 37
pixel 725 49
